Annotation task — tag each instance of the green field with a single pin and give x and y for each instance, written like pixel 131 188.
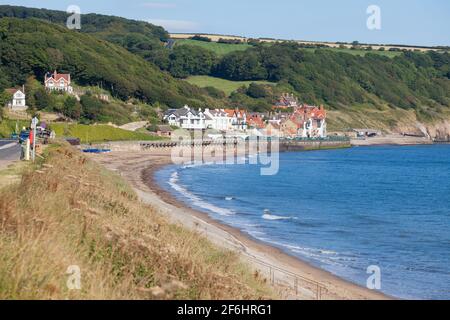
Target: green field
pixel 98 133
pixel 219 48
pixel 223 48
pixel 226 86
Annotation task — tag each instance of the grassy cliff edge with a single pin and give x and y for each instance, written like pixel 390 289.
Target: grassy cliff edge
pixel 68 211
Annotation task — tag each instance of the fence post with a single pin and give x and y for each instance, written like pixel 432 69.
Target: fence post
pixel 296 285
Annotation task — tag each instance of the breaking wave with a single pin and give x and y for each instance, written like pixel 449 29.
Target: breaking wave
pixel 195 200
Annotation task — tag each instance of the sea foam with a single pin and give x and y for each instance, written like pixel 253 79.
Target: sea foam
pixel 195 200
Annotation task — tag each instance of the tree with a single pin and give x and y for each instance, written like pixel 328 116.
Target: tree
pixel 72 108
pixel 31 86
pixel 241 66
pixel 5 98
pixel 257 91
pixel 189 60
pixel 92 107
pixel 42 99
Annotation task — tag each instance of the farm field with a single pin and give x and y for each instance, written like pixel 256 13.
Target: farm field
pixel 226 86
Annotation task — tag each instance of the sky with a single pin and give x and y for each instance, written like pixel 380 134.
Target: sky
pixel 411 22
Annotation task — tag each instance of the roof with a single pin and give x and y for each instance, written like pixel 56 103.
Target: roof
pixel 232 112
pixel 58 76
pixel 13 90
pixel 182 112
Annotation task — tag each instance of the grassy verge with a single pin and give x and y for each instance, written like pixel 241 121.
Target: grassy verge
pixel 68 211
pixel 226 86
pixel 98 133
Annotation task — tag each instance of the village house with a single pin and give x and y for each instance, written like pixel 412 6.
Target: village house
pixel 216 119
pixel 18 102
pixel 285 102
pixel 256 121
pixel 237 119
pixel 186 118
pixel 289 128
pixel 58 81
pixel 272 129
pixel 313 120
pixel 164 131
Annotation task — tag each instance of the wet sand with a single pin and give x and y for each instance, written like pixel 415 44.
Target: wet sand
pixel 291 277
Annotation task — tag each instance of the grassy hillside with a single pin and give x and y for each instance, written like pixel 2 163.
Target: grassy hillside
pixel 98 133
pixel 224 85
pixel 72 212
pixel 33 47
pixel 219 48
pixel 137 36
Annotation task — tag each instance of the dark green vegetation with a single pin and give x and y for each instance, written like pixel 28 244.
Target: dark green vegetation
pixel 32 47
pixel 323 76
pixel 334 77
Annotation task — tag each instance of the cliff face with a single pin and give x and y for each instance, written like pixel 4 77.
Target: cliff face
pixel 390 120
pixel 439 131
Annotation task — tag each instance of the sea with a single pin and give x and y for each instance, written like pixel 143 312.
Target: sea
pixel 347 211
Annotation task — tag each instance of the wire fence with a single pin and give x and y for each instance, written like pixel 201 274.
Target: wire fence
pixel 291 284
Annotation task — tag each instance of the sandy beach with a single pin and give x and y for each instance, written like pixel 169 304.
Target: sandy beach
pixel 291 277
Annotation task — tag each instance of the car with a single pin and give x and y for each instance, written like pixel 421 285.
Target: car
pixel 14 136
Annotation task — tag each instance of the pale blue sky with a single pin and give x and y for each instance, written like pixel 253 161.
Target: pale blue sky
pixel 419 22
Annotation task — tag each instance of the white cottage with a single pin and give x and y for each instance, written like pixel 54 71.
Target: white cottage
pixel 186 118
pixel 18 102
pixel 216 119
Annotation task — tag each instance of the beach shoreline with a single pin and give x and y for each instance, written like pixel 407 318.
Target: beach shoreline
pixel 292 277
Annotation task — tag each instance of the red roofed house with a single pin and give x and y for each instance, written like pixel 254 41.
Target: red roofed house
pixel 58 81
pixel 237 119
pixel 313 119
pixel 286 101
pixel 256 121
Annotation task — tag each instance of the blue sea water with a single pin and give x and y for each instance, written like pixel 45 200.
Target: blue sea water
pixel 340 210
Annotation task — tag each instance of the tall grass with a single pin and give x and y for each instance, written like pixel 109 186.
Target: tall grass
pixel 69 211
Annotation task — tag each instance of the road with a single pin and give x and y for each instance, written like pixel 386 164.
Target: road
pixel 9 152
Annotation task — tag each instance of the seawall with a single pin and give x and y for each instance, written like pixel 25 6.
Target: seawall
pixel 284 145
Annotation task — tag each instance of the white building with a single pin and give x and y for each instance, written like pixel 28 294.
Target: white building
pixel 18 102
pixel 58 81
pixel 186 118
pixel 237 119
pixel 216 119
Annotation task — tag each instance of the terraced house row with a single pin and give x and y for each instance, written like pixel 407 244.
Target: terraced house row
pixel 288 119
